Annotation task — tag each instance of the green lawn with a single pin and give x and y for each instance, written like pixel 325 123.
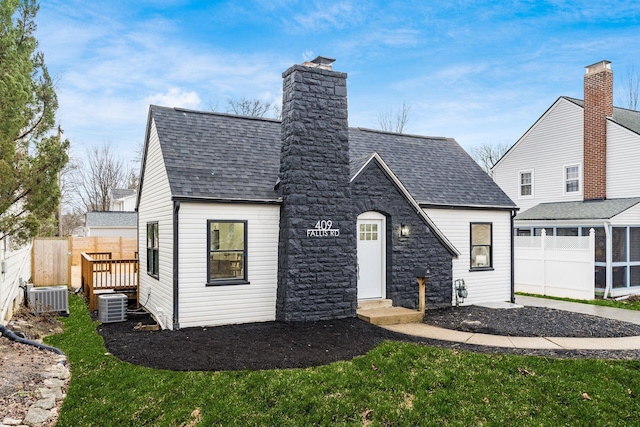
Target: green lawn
pixel 396 384
pixel 626 304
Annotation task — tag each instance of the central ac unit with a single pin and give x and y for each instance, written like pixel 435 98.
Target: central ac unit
pixel 47 299
pixel 112 308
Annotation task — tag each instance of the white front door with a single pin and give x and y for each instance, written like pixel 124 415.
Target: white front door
pixel 371 259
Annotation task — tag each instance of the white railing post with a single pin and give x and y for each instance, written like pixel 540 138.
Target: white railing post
pixel 543 245
pixel 592 257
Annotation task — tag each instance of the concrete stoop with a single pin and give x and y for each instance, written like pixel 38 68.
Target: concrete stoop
pixel 380 312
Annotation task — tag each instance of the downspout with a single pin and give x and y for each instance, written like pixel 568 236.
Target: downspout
pixel 176 209
pixel 609 255
pixel 513 276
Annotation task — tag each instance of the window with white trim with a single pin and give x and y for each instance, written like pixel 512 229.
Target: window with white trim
pixel 526 184
pixel 572 179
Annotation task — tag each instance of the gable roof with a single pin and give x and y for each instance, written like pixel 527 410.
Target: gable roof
pixel 121 193
pixel 629 119
pixel 224 157
pixel 111 219
pixel 375 158
pixel 435 170
pixel 218 156
pixel 591 209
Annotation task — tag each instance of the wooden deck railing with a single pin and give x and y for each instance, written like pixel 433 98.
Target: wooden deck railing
pixel 100 273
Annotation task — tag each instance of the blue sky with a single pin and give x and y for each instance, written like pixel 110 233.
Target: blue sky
pixel 477 71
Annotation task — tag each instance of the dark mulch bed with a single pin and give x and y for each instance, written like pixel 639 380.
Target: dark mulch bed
pixel 529 322
pixel 278 345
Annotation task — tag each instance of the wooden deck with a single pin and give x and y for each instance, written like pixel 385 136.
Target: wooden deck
pixel 101 273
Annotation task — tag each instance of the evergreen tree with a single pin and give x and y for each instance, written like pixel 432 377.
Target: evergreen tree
pixel 31 156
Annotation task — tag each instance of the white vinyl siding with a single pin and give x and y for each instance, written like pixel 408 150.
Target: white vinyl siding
pixel 484 285
pixel 623 152
pixel 629 217
pixel 554 141
pixel 112 232
pixel 156 206
pixel 202 305
pixel 17 265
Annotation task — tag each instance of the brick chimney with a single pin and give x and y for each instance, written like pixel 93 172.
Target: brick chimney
pixel 598 105
pixel 317 247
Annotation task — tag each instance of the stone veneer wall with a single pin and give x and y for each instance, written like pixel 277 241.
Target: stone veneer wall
pixel 316 275
pixel 373 190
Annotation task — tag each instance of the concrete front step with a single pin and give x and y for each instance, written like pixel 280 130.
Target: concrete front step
pixel 368 304
pixel 389 315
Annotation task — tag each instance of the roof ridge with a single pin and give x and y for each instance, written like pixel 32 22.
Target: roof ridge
pixel 444 138
pixel 581 101
pixel 214 113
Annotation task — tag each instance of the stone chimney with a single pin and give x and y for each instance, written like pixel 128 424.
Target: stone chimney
pixel 598 105
pixel 317 247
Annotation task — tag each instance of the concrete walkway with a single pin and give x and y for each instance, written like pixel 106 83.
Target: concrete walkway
pixel 546 343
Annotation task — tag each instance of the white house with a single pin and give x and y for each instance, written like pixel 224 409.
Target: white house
pixel 576 168
pixel 111 224
pixel 246 220
pixel 123 200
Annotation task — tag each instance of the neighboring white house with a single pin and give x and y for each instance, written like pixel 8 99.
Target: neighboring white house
pixel 577 168
pixel 123 200
pixel 245 220
pixel 15 269
pixel 111 224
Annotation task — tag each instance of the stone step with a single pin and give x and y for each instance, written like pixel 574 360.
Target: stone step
pixel 389 315
pixel 368 304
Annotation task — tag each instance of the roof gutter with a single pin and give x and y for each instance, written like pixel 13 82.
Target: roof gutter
pixel 204 199
pixel 426 205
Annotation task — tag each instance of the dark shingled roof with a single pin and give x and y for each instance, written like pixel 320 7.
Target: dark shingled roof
pixel 592 209
pixel 435 171
pixel 220 156
pixel 629 119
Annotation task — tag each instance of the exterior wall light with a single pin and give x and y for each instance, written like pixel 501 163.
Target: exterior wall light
pixel 404 230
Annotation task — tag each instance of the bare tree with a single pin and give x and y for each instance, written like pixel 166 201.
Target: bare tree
pixel 249 107
pixel 70 221
pixel 631 89
pixel 487 155
pixel 100 172
pixel 390 121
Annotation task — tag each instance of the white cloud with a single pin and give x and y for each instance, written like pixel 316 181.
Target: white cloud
pixel 325 16
pixel 176 97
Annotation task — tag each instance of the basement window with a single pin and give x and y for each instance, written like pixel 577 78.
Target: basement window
pixel 227 254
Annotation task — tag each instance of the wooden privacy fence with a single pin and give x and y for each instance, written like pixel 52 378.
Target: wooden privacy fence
pixel 119 247
pixel 50 261
pixel 100 273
